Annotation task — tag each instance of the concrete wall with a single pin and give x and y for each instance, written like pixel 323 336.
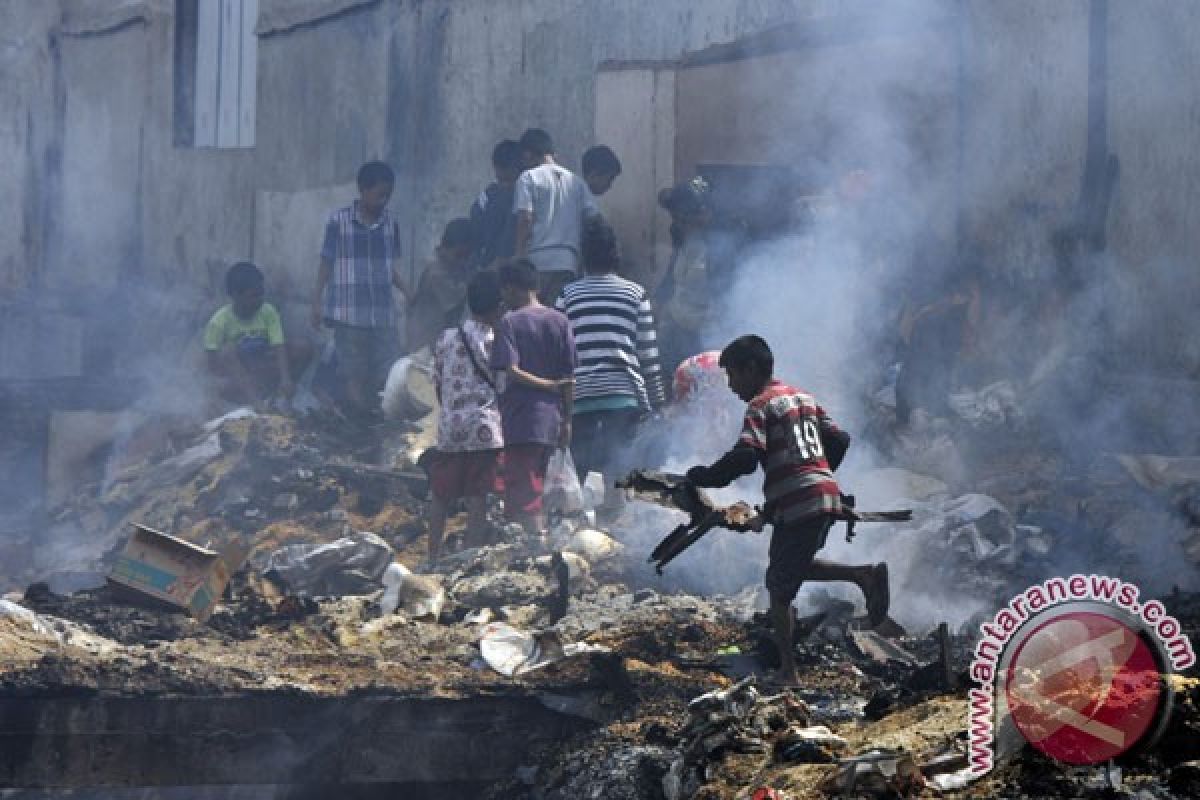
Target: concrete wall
pixel 1155 224
pixel 1025 68
pixel 636 116
pixel 431 84
pixel 26 144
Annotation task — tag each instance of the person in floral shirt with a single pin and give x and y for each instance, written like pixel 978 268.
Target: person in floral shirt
pixel 469 433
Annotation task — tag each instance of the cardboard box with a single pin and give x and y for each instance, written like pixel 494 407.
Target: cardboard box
pixel 175 572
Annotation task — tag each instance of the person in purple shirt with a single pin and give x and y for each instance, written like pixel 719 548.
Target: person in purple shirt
pixel 534 360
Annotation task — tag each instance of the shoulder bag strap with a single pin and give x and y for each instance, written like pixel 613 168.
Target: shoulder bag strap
pixel 483 373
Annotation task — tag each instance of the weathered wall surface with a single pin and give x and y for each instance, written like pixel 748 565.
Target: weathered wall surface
pixel 430 85
pixel 26 107
pixel 1025 73
pixel 1154 69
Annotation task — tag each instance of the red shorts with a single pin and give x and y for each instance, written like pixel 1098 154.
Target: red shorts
pixel 524 476
pixel 467 474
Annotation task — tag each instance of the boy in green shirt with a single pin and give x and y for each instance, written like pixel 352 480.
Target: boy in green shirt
pixel 244 342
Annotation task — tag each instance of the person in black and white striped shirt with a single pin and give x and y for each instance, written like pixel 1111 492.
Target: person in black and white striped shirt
pixel 618 378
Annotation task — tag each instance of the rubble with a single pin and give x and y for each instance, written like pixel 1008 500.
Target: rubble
pixel 350 565
pixel 324 611
pixel 513 652
pixel 418 596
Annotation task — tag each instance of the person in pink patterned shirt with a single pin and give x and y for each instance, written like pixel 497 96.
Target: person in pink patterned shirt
pixel 469 433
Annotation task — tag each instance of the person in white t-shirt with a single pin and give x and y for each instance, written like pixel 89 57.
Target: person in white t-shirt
pixel 551 203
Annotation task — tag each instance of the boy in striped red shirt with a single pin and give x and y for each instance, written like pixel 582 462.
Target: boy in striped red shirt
pixel 794 441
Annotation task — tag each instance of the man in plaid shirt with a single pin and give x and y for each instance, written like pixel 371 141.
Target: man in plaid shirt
pixel 789 436
pixel 359 260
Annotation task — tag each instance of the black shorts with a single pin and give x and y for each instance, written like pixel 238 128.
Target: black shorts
pixel 793 548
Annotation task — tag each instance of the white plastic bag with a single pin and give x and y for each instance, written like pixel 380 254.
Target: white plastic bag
pixel 561 491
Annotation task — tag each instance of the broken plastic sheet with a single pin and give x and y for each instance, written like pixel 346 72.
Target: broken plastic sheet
pixel 214 425
pixel 952 781
pixel 348 566
pixel 562 491
pixel 1161 473
pixel 510 651
pixel 29 619
pixel 994 404
pixel 877 773
pixel 181 467
pixel 417 596
pixel 593 545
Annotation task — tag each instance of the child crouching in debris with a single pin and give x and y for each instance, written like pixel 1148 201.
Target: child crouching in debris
pixel 469 428
pixel 788 434
pixel 244 342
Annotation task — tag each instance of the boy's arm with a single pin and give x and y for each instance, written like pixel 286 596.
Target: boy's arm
pixel 529 379
pixel 834 441
pixel 741 460
pixel 524 229
pixel 523 208
pixel 397 280
pixel 324 273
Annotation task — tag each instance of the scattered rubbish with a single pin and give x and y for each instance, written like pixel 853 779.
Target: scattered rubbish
pixel 347 566
pixel 214 425
pixel 593 545
pixel 990 517
pixel 180 468
pixel 951 781
pixel 1161 473
pixel 768 793
pixel 408 392
pixel 562 492
pixel 1184 779
pixel 810 745
pixel 993 405
pixel 510 651
pixel 418 596
pixel 735 719
pixel 876 773
pixel 29 619
pixel 288 501
pixel 178 573
pixel 737 699
pixel 480 617
pixel 879 649
pixel 504 587
pixel 579 571
pixel 593 490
